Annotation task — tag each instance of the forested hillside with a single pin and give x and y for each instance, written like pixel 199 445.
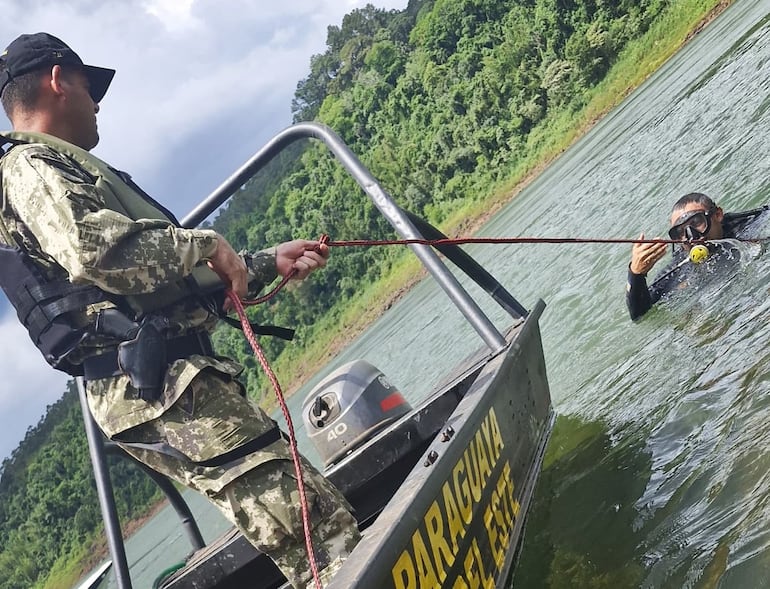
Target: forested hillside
pixel 48 503
pixel 441 101
pixel 444 102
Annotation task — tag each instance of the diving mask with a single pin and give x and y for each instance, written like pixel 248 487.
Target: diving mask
pixel 691 225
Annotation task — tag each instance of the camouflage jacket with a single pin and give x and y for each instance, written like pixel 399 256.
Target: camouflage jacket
pixel 55 209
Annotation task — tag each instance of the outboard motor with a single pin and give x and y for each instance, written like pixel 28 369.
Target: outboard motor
pixel 348 407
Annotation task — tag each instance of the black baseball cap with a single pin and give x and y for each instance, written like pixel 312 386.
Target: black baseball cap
pixel 28 53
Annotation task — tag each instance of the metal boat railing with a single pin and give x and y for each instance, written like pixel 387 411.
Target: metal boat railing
pixel 381 199
pixel 404 225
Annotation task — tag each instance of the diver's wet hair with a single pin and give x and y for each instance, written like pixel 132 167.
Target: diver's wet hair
pixel 694 197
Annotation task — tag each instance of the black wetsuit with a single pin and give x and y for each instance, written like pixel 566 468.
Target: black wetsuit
pixel 640 298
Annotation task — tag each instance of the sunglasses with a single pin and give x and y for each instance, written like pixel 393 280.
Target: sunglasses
pixel 699 223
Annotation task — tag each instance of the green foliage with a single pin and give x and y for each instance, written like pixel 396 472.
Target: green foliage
pixel 48 503
pixel 440 101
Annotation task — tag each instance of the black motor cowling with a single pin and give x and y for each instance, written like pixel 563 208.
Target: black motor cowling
pixel 348 407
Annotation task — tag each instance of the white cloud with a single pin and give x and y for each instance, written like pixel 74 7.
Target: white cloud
pixel 200 86
pixel 28 384
pixel 176 15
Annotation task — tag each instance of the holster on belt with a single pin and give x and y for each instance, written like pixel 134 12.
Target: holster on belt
pixel 143 359
pixel 142 356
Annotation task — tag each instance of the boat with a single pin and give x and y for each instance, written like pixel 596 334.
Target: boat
pixel 440 490
pixel 96 577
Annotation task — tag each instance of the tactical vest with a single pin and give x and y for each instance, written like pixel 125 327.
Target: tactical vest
pixel 45 306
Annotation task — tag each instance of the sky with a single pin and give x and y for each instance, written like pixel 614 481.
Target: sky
pixel 200 86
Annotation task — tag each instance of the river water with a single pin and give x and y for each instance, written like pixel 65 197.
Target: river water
pixel 657 471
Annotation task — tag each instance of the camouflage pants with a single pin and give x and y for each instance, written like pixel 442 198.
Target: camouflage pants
pixel 257 492
pixel 266 508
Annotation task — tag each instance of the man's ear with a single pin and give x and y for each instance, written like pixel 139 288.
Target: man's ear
pixel 55 81
pixel 719 214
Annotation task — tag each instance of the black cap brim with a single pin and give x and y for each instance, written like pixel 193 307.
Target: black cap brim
pixel 99 80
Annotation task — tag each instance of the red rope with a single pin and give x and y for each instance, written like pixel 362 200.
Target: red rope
pixel 271 294
pixel 498 240
pixel 259 353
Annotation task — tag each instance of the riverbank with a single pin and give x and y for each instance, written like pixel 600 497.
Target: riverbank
pixel 67 573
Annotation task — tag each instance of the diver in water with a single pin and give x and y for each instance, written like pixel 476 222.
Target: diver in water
pixel 694 216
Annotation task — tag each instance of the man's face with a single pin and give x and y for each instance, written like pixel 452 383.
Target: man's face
pixel 700 219
pixel 81 110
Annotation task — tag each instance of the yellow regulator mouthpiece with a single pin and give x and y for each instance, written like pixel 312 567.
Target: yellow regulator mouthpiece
pixel 698 254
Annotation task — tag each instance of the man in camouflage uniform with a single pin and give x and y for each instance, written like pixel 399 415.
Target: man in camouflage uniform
pixel 201 430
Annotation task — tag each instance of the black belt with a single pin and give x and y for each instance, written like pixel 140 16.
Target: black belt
pixel 259 443
pixel 106 365
pixel 227 459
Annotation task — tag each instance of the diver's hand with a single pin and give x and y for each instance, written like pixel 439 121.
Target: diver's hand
pixel 230 267
pixel 645 255
pixel 301 255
